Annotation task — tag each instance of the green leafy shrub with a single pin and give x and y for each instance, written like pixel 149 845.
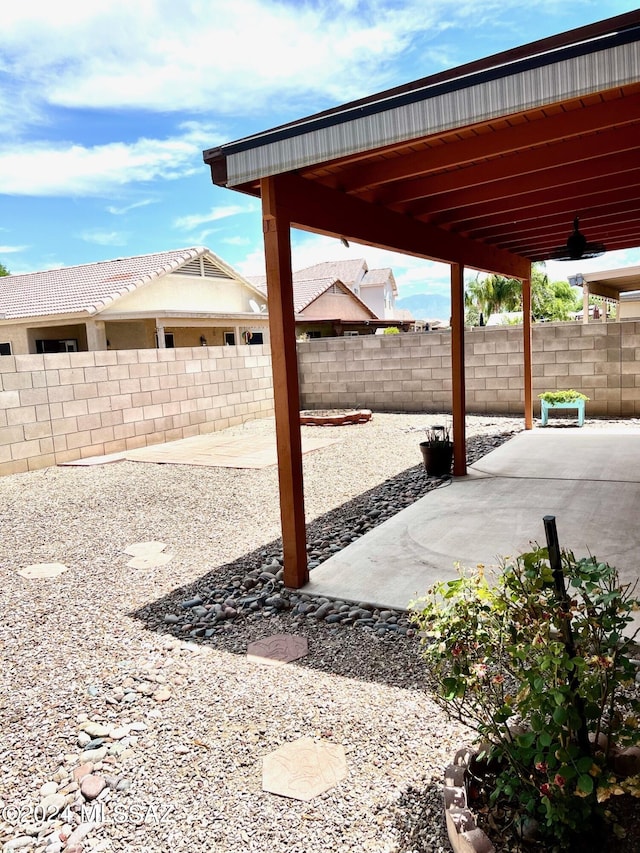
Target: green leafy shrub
pixel 391 330
pixel 562 396
pixel 550 710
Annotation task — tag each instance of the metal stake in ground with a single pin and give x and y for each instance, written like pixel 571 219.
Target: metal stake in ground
pixel 555 561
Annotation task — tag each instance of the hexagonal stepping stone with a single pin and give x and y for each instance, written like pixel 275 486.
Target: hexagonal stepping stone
pixel 43 570
pixel 303 769
pixel 278 649
pixel 147 555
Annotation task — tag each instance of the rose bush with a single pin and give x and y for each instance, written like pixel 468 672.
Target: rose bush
pixel 548 682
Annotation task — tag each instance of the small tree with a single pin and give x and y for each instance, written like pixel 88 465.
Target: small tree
pixel 503 665
pixel 4 270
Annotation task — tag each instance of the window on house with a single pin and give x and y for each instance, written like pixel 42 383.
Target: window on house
pixel 314 333
pixel 168 340
pixel 256 338
pixel 229 339
pixel 69 345
pixel 5 349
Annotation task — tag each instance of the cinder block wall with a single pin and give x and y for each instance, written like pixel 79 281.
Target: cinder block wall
pixel 412 372
pixel 62 407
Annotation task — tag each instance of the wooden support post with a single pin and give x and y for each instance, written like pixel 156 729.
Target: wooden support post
pixel 277 244
pixel 526 348
pixel 457 371
pixel 585 304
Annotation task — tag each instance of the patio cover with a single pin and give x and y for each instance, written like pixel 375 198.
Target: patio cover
pixel 607 284
pixel 485 165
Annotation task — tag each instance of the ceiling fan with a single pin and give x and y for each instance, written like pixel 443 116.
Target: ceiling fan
pixel 577 247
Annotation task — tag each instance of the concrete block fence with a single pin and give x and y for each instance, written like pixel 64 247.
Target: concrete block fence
pixel 62 407
pixel 67 406
pixel 411 372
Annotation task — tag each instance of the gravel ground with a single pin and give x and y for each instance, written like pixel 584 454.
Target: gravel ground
pixel 174 723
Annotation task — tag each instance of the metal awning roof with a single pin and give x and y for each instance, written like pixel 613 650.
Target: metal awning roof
pixel 496 158
pixel 483 166
pixel 610 284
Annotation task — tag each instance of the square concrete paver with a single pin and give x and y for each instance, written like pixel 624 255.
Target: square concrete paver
pixel 214 449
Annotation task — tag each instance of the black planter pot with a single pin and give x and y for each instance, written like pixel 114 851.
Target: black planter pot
pixel 437 458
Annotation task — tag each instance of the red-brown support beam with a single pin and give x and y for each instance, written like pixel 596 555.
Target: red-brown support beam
pixel 457 371
pixel 526 346
pixel 277 245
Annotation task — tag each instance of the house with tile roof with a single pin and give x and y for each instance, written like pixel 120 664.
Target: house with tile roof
pixel 181 298
pixel 334 298
pixel 376 288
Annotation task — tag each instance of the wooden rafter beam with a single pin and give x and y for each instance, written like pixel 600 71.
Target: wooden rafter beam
pixel 316 208
pixel 564 125
pixel 538 224
pixel 578 176
pixel 606 291
pixel 527 163
pixel 583 194
pixel 548 242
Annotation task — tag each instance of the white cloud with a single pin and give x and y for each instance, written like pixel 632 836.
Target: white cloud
pixel 9 250
pixel 104 238
pixel 216 213
pixel 236 241
pixel 120 211
pixel 412 275
pixel 231 57
pixel 66 169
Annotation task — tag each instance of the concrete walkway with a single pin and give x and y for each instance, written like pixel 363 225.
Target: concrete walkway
pixel 588 478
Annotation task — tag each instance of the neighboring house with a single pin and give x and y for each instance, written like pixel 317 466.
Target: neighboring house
pixel 619 287
pixel 376 288
pixel 182 298
pixel 333 299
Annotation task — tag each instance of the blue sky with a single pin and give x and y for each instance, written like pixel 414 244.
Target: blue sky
pixel 106 107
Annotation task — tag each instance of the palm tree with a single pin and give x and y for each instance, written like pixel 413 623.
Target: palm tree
pixel 494 294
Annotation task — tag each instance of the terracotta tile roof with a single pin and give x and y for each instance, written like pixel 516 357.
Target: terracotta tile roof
pixel 311 282
pixel 346 271
pixel 86 288
pixel 377 277
pixel 306 290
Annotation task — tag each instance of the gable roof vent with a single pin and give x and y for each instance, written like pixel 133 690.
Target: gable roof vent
pixel 211 270
pixel 202 268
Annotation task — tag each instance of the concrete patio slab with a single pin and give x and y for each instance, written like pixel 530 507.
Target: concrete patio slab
pixel 497 511
pixel 567 454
